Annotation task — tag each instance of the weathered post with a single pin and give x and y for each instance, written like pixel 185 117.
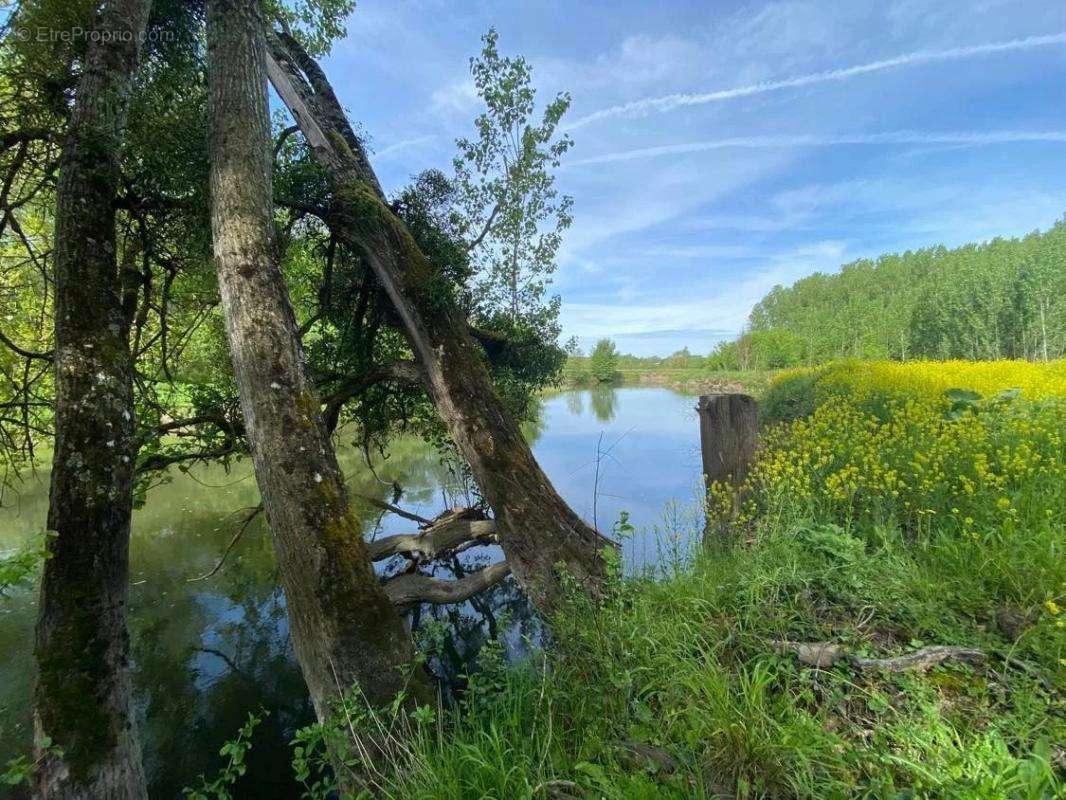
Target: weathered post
pixel 728 428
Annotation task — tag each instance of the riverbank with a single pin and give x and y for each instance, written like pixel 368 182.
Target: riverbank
pixel 690 380
pixel 698 381
pixel 883 618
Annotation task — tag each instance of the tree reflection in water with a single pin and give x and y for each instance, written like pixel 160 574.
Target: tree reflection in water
pixel 604 402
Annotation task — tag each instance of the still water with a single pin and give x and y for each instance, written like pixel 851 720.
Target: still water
pixel 206 652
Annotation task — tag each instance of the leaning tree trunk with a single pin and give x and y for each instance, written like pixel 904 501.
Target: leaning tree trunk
pixel 82 700
pixel 538 530
pixel 344 628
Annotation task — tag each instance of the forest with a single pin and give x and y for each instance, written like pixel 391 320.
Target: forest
pixel 997 299
pixel 303 495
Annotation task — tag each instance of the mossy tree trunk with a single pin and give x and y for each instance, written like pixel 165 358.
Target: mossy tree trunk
pixel 344 628
pixel 537 529
pixel 82 699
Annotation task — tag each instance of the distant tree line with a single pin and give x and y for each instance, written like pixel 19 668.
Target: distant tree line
pixel 1001 299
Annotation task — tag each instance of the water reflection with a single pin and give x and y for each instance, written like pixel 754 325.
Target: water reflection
pixel 208 652
pixel 604 401
pixel 575 402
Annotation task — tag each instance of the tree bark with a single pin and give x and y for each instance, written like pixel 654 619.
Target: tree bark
pixel 344 628
pixel 82 700
pixel 728 434
pixel 538 530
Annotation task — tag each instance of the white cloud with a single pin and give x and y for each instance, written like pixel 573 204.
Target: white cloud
pixel 959 138
pixel 458 98
pixel 670 102
pixel 639 63
pixel 722 306
pixel 400 146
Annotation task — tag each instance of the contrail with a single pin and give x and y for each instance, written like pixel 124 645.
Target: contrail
pixel 891 137
pixel 671 101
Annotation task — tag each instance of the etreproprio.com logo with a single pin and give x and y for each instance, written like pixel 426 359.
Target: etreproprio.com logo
pixel 78 34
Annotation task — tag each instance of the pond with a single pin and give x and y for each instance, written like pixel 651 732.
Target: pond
pixel 207 652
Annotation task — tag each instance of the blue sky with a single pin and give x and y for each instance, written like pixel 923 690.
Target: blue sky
pixel 725 147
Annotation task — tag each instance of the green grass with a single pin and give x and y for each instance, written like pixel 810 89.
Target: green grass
pixel 686 665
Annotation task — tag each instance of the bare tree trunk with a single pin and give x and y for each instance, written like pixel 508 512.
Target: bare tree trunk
pixel 344 628
pixel 537 529
pixel 82 700
pixel 728 435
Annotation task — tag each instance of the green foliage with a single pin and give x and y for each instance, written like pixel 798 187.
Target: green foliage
pixel 315 23
pixel 234 751
pixel 21 567
pixel 1000 299
pixel 791 396
pixel 506 207
pixel 490 234
pixel 603 361
pixel 21 770
pixel 686 666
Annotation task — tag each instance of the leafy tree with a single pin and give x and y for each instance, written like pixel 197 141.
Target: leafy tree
pixel 506 207
pixel 724 356
pixel 603 361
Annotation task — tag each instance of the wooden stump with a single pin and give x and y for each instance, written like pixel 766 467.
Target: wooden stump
pixel 728 429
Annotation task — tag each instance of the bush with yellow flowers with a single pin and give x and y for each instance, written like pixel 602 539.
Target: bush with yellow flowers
pixel 952 464
pixel 872 384
pixel 980 467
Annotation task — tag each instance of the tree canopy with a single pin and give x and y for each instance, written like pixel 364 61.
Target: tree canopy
pixel 1005 298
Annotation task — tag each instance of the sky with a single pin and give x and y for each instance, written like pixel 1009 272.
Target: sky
pixel 723 147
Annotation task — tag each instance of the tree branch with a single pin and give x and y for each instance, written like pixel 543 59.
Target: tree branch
pixel 49 356
pixel 285 134
pixel 12 138
pixel 440 537
pixel 485 230
pixel 407 590
pixel 405 371
pixel 159 461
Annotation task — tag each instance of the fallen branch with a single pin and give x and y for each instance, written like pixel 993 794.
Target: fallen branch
pixel 409 589
pixel 643 753
pixel 559 790
pixel 825 654
pixel 440 537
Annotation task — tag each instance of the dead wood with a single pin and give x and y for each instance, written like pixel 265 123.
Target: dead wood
pixel 825 654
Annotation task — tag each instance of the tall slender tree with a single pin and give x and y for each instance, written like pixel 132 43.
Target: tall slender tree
pixel 84 720
pixel 344 628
